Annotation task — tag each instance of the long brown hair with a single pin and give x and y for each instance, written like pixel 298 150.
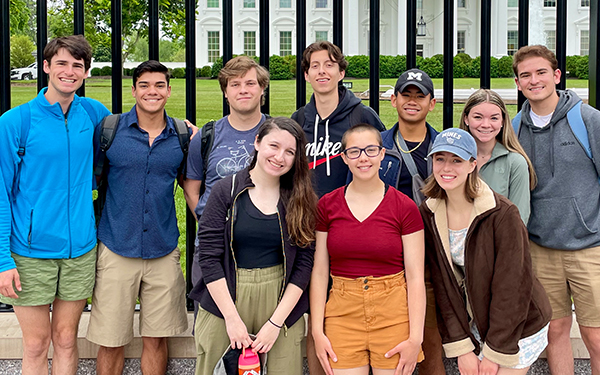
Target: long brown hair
pixel 295 187
pixel 506 136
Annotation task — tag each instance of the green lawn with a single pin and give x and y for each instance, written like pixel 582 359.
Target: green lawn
pixel 283 103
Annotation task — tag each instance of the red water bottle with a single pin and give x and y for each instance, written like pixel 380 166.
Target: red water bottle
pixel 249 363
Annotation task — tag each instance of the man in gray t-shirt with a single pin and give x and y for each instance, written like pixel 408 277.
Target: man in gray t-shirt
pixel 243 82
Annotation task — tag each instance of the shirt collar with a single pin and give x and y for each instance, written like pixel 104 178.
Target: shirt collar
pixel 130 119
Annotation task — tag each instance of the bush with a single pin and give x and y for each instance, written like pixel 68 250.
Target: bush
pixel 178 73
pixel 290 60
pixel 398 65
pixel 433 67
pixel 464 58
pixel 475 68
pixel 128 72
pixel 205 71
pixel 279 68
pixel 96 72
pixel 21 48
pixel 106 71
pixel 505 67
pixel 216 67
pixel 460 69
pixel 358 66
pixel 385 67
pixel 493 67
pixel 583 67
pixel 439 57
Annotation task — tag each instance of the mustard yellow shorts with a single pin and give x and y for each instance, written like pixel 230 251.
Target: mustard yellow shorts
pixel 365 318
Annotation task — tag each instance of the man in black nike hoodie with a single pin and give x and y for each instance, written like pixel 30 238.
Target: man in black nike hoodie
pixel 331 111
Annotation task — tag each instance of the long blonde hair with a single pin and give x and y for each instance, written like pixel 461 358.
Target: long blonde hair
pixel 506 136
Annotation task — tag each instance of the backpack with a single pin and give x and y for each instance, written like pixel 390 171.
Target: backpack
pixel 576 123
pixel 26 125
pixel 108 129
pixel 207 140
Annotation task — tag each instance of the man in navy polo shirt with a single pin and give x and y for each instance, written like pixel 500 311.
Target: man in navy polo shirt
pixel 137 252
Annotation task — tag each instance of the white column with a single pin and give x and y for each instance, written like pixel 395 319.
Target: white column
pixel 401 24
pixel 499 27
pixel 351 27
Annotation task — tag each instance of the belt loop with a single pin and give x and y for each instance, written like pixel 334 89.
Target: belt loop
pixel 342 288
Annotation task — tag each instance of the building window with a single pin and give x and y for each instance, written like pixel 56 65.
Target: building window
pixel 550 3
pixel 249 3
pixel 321 36
pixel 285 43
pixel 321 4
pixel 285 3
pixel 462 3
pixel 551 40
pixel 420 50
pixel 461 41
pixel 512 42
pixel 212 3
pixel 250 43
pixel 584 43
pixel 512 3
pixel 213 46
pixel 585 3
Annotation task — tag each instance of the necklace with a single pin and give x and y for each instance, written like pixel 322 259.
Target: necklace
pixel 407 151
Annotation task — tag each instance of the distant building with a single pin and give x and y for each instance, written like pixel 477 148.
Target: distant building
pixel 392 27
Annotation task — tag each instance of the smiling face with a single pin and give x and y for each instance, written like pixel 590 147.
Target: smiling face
pixel 412 105
pixel 151 92
pixel 485 122
pixel 450 171
pixel 244 93
pixel 276 152
pixel 363 167
pixel 65 73
pixel 323 73
pixel 536 79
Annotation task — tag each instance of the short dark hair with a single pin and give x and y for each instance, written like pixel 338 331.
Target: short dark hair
pixel 151 66
pixel 76 45
pixel 335 54
pixel 533 51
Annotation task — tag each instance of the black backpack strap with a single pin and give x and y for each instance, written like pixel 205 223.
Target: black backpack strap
pixel 183 134
pixel 208 139
pixel 25 111
pixel 108 129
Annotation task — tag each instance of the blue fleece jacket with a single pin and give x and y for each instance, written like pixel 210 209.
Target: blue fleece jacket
pixel 51 215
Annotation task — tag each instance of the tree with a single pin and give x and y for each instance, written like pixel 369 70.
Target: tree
pixel 134 21
pixel 21 48
pixel 20 15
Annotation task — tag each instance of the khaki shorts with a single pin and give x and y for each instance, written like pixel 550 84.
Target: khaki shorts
pixel 567 274
pixel 43 280
pixel 365 318
pixel 158 283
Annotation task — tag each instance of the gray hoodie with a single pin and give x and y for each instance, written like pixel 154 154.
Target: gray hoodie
pixel 565 205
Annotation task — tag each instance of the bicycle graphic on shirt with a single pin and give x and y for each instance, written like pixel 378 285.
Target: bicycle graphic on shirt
pixel 240 159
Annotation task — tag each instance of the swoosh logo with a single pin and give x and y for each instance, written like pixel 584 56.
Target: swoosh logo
pixel 315 164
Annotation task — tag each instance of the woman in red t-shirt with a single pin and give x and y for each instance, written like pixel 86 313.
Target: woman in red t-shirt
pixel 375 312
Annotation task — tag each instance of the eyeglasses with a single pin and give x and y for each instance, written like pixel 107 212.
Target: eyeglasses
pixel 354 152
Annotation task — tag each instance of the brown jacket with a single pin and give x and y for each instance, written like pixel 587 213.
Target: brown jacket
pixel 507 301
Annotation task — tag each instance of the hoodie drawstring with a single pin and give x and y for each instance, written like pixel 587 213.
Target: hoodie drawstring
pixel 327 146
pixel 315 141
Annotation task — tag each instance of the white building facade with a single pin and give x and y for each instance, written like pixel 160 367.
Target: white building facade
pixel 319 16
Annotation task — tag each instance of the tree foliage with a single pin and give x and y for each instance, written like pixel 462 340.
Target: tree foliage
pixel 21 48
pixel 20 14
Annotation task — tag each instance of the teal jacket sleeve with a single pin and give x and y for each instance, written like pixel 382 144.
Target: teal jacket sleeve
pixel 518 185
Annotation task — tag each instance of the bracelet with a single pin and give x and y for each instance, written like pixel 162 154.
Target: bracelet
pixel 270 321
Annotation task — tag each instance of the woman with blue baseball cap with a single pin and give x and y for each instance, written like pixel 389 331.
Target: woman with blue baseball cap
pixel 493 313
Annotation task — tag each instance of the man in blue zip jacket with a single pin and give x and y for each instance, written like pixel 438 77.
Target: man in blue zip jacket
pixel 412 137
pixel 48 233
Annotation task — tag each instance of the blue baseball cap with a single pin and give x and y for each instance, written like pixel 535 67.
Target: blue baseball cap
pixel 456 141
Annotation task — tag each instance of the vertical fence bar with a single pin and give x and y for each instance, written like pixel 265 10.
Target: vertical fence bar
pixel 264 35
pixel 153 37
pixel 42 40
pixel 374 18
pixel 486 44
pixel 79 29
pixel 5 56
pixel 594 80
pixel 411 34
pixel 338 23
pixel 448 64
pixel 300 46
pixel 561 41
pixel 190 114
pixel 227 41
pixel 116 20
pixel 523 37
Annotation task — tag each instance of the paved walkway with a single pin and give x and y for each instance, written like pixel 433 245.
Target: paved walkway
pixel 506 94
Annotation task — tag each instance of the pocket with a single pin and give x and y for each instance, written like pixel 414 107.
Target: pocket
pixel 331 305
pixel 553 219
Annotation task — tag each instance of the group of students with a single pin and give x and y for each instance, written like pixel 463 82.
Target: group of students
pixel 400 243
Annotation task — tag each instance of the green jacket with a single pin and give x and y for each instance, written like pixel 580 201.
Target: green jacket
pixel 507 174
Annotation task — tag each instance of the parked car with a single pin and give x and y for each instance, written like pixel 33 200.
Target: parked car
pixel 27 73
